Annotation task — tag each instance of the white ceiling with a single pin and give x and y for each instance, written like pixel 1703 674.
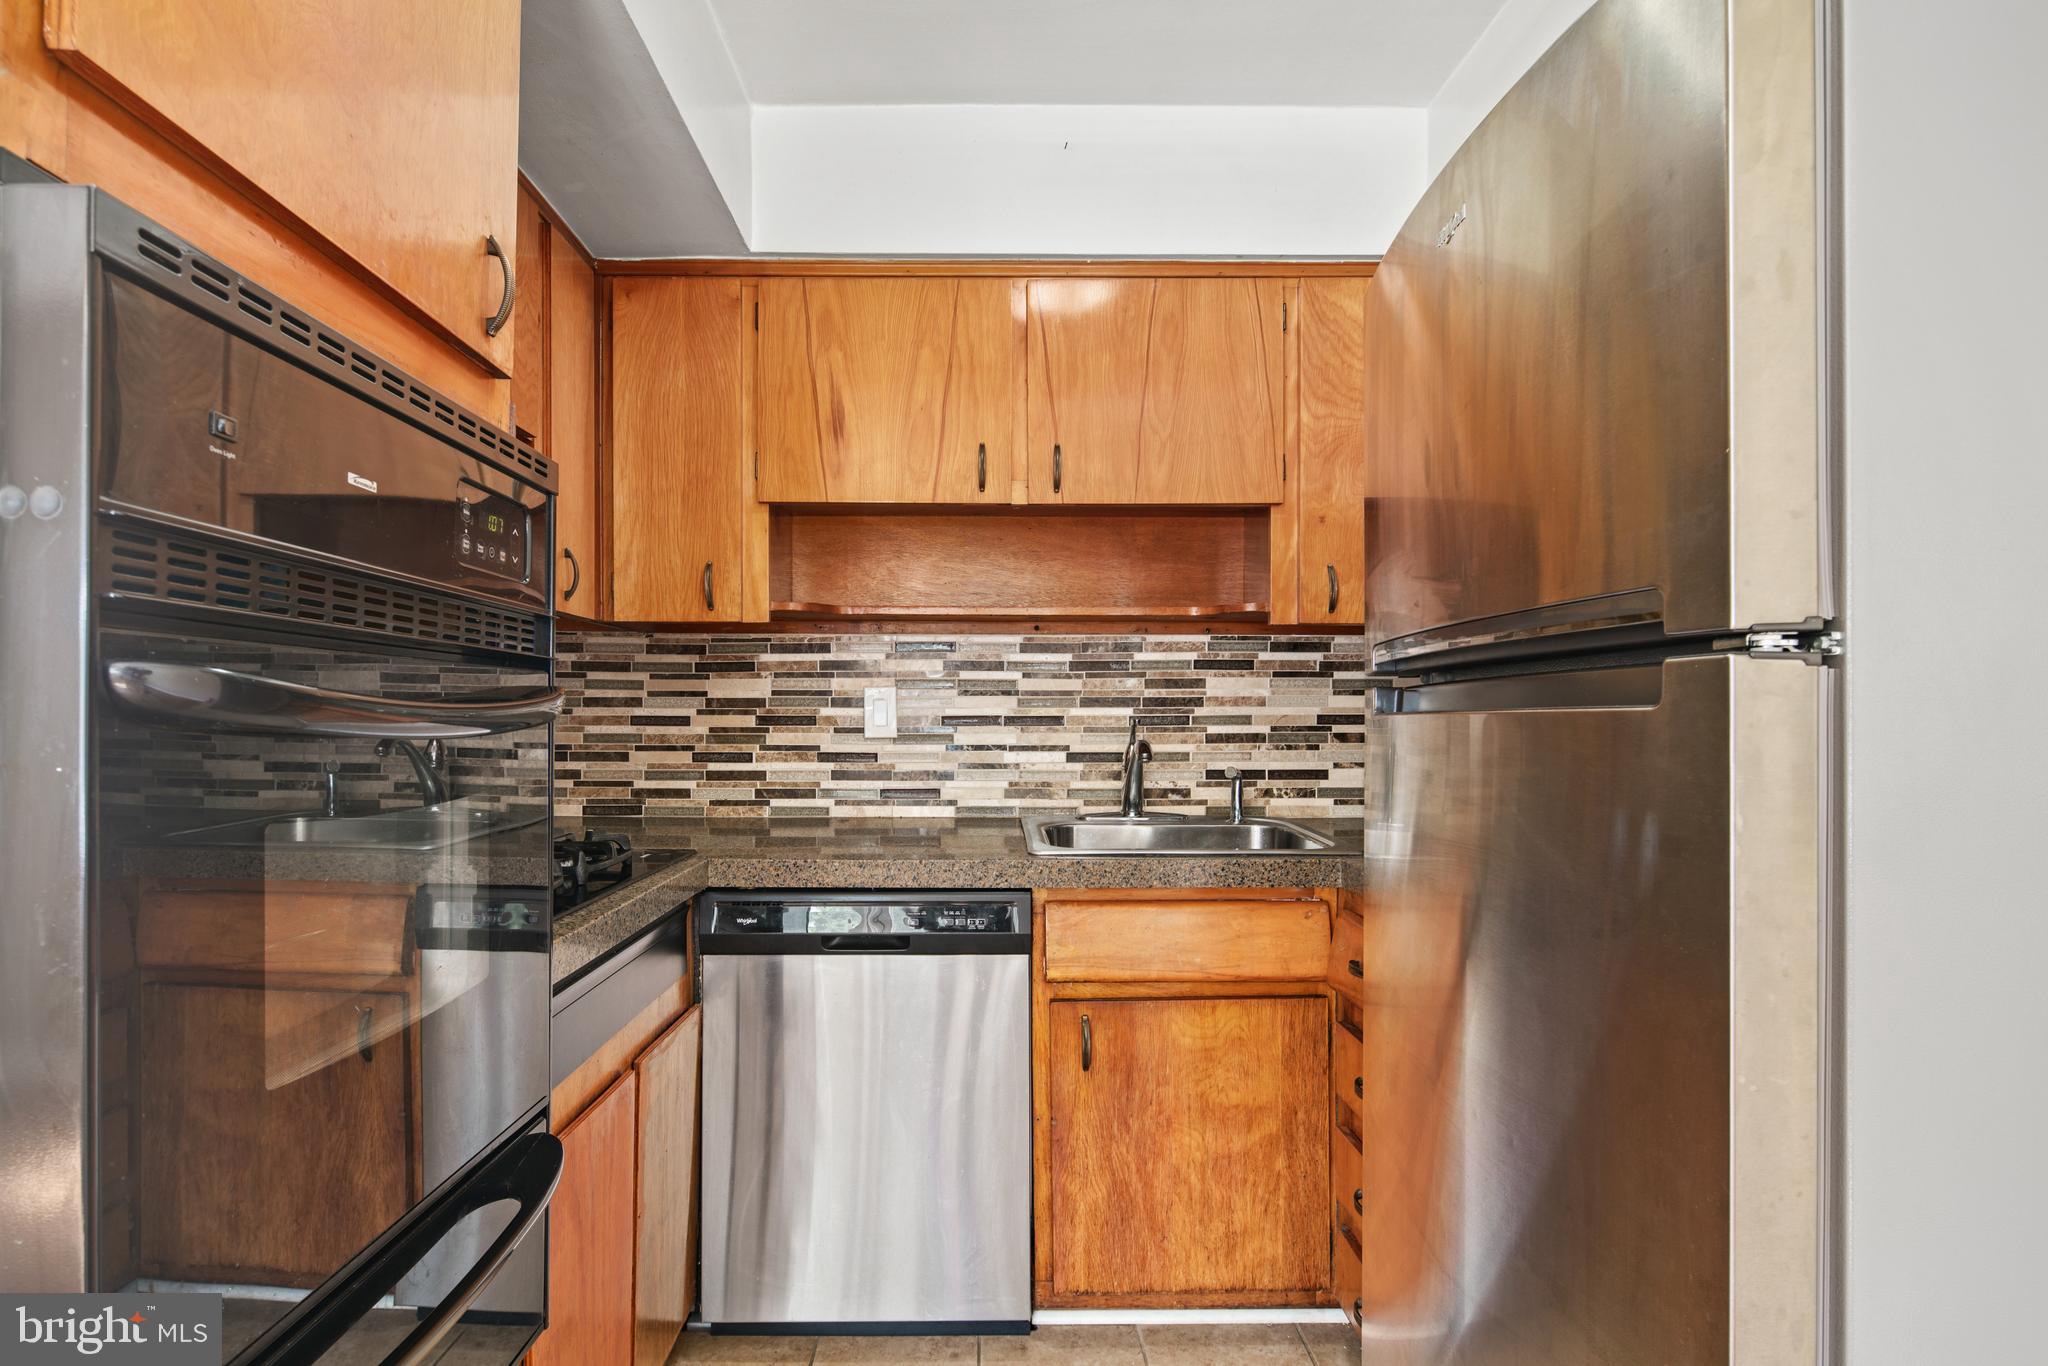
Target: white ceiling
pixel 1339 53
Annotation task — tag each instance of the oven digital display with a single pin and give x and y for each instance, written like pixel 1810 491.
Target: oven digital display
pixel 491 533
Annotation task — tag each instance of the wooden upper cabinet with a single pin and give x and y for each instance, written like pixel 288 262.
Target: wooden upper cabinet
pixel 1332 463
pixel 572 424
pixel 1155 391
pixel 387 129
pixel 889 390
pixel 530 327
pixel 1189 1146
pixel 677 462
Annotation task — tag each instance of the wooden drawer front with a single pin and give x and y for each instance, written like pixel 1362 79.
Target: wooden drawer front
pixel 1346 967
pixel 314 927
pixel 1347 1178
pixel 1347 1075
pixel 1350 1277
pixel 1185 941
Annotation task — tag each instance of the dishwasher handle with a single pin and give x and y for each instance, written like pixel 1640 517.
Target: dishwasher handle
pixel 865 943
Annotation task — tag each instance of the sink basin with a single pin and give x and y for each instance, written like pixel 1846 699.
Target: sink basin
pixel 417 830
pixel 1162 836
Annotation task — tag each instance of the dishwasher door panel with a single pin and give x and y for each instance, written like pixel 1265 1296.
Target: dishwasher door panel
pixel 866 1139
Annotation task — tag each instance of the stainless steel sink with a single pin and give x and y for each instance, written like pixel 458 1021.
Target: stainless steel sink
pixel 418 829
pixel 1159 836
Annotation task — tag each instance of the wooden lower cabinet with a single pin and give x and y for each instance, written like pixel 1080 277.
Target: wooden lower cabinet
pixel 665 1191
pixel 230 1113
pixel 1188 1146
pixel 590 1237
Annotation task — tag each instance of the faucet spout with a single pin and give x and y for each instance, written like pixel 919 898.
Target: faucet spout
pixel 1136 752
pixel 428 767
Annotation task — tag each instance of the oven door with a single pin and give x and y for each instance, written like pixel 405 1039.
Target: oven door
pixel 321 977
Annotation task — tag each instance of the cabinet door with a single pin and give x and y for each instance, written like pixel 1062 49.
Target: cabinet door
pixel 665 1223
pixel 217 1130
pixel 405 174
pixel 678 460
pixel 1332 492
pixel 590 1237
pixel 530 327
pixel 1155 391
pixel 1189 1146
pixel 572 424
pixel 889 391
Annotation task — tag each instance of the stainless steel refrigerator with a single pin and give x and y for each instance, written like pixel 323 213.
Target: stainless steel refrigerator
pixel 1603 629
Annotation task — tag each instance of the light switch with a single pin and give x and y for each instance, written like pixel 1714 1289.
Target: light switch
pixel 879 715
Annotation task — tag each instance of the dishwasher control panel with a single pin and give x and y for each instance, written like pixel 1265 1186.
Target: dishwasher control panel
pixel 853 917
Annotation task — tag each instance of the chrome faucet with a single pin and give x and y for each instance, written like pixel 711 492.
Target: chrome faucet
pixel 429 767
pixel 1136 752
pixel 330 788
pixel 1236 795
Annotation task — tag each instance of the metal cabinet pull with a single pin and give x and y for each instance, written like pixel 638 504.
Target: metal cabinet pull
pixel 1358 1087
pixel 1055 467
pixel 1356 968
pixel 363 1045
pixel 1358 1200
pixel 981 467
pixel 575 574
pixel 1087 1045
pixel 710 605
pixel 511 287
pixel 1333 587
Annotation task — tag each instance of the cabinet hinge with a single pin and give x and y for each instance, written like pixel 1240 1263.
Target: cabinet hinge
pixel 1808 646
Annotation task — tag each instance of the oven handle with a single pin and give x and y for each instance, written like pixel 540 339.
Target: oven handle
pixel 527 1171
pixel 222 699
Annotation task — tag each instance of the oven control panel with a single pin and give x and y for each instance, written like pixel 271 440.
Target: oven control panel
pixel 492 533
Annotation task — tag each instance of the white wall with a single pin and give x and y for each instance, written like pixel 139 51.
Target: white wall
pixel 1947 937
pixel 1510 45
pixel 683 38
pixel 1083 179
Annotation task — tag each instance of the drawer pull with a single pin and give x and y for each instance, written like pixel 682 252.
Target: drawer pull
pixel 363 1044
pixel 1355 968
pixel 1087 1044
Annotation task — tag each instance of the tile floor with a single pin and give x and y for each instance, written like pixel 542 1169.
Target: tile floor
pixel 1308 1344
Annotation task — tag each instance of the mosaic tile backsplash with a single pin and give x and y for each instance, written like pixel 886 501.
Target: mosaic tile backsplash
pixel 693 725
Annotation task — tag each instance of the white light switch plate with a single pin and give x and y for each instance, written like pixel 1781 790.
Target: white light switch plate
pixel 879 714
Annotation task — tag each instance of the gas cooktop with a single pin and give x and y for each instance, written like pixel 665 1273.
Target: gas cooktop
pixel 593 864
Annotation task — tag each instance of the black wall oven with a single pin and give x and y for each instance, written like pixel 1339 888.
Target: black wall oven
pixel 289 626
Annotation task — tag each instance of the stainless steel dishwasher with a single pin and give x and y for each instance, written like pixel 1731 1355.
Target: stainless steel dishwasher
pixel 866 1111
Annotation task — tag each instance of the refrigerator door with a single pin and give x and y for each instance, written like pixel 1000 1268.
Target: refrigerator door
pixel 1551 333
pixel 1591 943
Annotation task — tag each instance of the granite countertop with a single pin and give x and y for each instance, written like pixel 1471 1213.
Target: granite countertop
pixel 868 854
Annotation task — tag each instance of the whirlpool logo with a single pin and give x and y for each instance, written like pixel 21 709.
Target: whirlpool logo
pixel 165 1330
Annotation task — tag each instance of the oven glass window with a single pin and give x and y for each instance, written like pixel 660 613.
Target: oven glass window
pixel 321 952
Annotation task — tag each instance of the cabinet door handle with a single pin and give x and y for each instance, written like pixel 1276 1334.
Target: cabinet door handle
pixel 1087 1045
pixel 1358 1087
pixel 981 467
pixel 511 287
pixel 1358 1200
pixel 363 1045
pixel 1333 587
pixel 710 604
pixel 575 574
pixel 1055 467
pixel 1356 968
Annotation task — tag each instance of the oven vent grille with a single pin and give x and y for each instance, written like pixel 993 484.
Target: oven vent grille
pixel 213 283
pixel 135 562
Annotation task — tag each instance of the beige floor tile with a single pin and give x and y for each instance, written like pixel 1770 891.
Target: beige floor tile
pixel 896 1351
pixel 1068 1344
pixel 753 1351
pixel 1222 1344
pixel 1332 1344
